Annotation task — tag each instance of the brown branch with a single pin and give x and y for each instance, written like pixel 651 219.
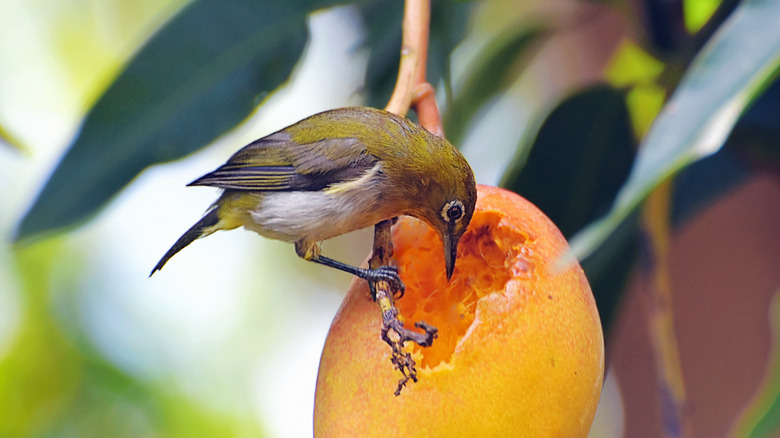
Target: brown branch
pixel 411 89
pixel 666 351
pixel 424 101
pixel 414 50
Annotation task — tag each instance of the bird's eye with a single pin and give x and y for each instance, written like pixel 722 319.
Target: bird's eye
pixel 455 212
pixel 452 211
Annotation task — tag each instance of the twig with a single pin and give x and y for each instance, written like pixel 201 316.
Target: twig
pixel 661 319
pixel 381 291
pixel 411 89
pixel 414 52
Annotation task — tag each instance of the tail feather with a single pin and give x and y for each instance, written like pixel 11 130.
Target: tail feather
pixel 200 229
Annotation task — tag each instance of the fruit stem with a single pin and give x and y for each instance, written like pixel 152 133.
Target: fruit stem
pixel 411 88
pixel 414 51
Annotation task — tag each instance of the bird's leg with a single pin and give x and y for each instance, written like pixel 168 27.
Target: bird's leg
pixel 311 251
pixel 383 273
pixel 381 255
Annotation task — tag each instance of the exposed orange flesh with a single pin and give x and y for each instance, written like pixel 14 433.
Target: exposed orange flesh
pixel 489 256
pixel 520 348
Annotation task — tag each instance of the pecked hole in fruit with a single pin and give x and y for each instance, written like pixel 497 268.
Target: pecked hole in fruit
pixel 489 255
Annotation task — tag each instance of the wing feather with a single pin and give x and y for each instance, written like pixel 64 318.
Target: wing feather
pixel 277 163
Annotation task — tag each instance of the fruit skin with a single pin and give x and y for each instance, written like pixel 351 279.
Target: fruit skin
pixel 530 364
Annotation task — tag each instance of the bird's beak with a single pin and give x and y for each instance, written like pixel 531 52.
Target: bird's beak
pixel 450 252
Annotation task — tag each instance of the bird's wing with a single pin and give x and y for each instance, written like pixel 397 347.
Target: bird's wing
pixel 276 163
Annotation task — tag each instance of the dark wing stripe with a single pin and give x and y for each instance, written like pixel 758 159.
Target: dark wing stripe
pixel 277 163
pixel 235 177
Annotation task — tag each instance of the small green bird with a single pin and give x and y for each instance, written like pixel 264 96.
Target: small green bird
pixel 335 172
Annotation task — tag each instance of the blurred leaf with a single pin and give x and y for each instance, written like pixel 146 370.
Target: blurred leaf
pixel 609 270
pixel 498 64
pixel 644 101
pixel 704 182
pixel 40 374
pixel 631 65
pixel 761 418
pixel 587 143
pixel 199 76
pixel 579 159
pixel 383 38
pixel 634 68
pixel 449 21
pixel 726 76
pixel 9 140
pixel 751 146
pixel 696 13
pixel 755 135
pixel 663 22
pixel 53 383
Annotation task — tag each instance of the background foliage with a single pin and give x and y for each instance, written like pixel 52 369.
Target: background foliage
pixel 582 107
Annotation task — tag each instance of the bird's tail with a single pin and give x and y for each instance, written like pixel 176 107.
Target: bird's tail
pixel 202 228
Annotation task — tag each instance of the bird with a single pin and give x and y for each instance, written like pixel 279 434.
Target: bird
pixel 335 172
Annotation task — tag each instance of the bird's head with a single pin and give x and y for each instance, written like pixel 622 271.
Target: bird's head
pixel 448 203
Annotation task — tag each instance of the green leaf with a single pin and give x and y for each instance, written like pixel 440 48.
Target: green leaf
pixel 761 417
pixel 751 146
pixel 382 21
pixel 198 77
pixel 498 65
pixel 587 143
pixel 449 21
pixel 729 73
pixel 54 383
pixel 756 134
pixel 696 13
pixel 705 182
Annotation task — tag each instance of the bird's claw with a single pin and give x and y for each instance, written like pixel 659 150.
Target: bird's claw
pixel 388 274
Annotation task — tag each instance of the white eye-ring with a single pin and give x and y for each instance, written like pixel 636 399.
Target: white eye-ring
pixel 452 211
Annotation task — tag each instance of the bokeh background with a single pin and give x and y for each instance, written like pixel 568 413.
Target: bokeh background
pixel 225 341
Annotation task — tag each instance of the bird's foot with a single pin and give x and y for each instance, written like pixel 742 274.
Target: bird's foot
pixel 403 360
pixel 387 274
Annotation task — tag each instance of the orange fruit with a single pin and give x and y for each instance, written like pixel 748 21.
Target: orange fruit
pixel 520 351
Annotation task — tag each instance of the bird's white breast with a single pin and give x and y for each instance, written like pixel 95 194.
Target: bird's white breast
pixel 319 215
